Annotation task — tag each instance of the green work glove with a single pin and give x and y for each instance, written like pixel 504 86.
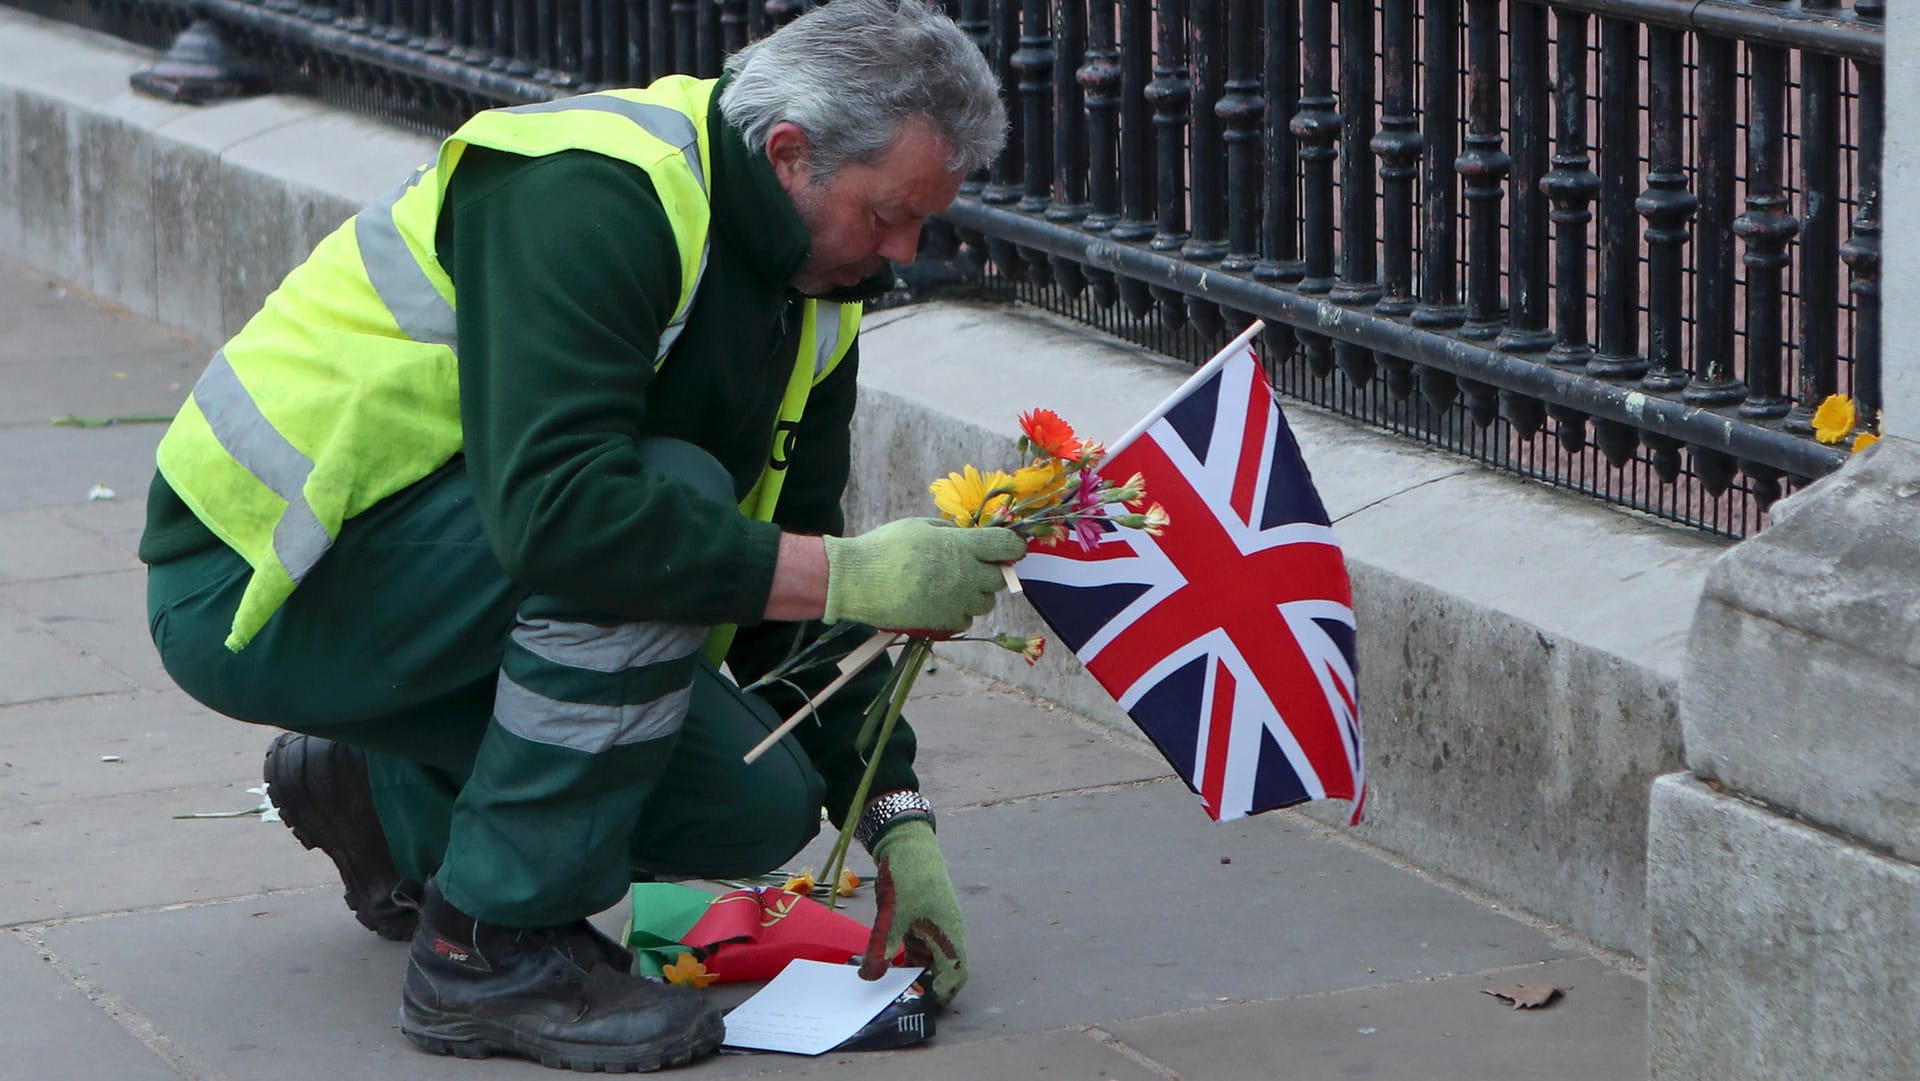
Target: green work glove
pixel 918 574
pixel 926 911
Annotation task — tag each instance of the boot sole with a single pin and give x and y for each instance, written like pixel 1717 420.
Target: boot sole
pixel 470 1039
pixel 376 912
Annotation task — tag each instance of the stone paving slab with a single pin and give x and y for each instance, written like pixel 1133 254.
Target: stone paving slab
pixel 43 465
pixel 119 522
pixel 44 543
pixel 101 616
pixel 1118 904
pixel 41 667
pixel 1443 1030
pixel 122 365
pixel 51 752
pixel 48 1025
pixel 114 853
pixel 1068 1056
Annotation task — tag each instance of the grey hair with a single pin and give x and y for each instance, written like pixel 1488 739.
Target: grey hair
pixel 850 73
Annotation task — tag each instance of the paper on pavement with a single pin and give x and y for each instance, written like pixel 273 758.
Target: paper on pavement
pixel 812 1007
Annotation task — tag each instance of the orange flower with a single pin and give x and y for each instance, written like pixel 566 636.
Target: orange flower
pixel 848 883
pixel 687 971
pixel 801 883
pixel 1050 434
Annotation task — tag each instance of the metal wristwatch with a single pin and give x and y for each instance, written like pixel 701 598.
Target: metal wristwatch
pixel 890 810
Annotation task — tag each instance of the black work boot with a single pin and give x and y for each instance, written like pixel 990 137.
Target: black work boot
pixel 552 994
pixel 321 790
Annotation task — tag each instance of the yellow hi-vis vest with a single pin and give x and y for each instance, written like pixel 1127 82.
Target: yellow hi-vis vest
pixel 344 388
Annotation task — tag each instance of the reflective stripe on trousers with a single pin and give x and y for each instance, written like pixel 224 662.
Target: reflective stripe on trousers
pixel 592 688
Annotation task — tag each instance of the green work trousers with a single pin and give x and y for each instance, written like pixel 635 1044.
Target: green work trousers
pixel 532 754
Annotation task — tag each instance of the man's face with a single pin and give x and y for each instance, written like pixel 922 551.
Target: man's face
pixel 865 213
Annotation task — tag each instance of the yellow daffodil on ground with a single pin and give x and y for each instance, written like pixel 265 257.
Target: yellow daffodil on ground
pixel 1863 441
pixel 848 883
pixel 687 971
pixel 801 883
pixel 971 498
pixel 1834 419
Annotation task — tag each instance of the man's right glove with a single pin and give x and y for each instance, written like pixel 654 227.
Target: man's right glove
pixel 918 574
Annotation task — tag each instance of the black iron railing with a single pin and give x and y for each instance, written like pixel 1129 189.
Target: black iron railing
pixel 1621 245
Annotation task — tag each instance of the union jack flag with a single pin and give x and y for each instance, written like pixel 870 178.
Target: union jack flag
pixel 1229 639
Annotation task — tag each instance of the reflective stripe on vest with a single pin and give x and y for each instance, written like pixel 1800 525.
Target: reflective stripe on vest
pixel 418 309
pixel 299 540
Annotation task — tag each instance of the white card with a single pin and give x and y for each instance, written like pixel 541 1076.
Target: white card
pixel 812 1007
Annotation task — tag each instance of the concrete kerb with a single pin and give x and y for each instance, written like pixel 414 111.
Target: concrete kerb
pixel 1520 656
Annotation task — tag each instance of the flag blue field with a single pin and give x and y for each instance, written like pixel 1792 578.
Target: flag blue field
pixel 1230 638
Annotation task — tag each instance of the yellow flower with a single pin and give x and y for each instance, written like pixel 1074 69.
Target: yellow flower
pixel 848 883
pixel 1040 485
pixel 1863 441
pixel 1834 419
pixel 1157 520
pixel 801 883
pixel 687 971
pixel 1130 493
pixel 970 498
pixel 1154 519
pixel 1030 649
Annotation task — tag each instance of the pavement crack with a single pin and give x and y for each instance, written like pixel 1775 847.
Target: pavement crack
pixel 1139 1058
pixel 1448 475
pixel 1089 790
pixel 133 1021
pixel 34 927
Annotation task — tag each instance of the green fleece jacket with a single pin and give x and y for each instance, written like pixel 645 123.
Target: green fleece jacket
pixel 566 272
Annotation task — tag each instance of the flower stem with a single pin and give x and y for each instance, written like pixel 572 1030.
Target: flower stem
pixel 912 660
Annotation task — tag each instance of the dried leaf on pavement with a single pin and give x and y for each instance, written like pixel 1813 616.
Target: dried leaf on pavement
pixel 1525 996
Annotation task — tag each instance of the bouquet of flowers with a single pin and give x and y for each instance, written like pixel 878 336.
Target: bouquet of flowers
pixel 1054 494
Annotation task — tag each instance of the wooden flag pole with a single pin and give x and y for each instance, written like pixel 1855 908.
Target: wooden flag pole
pixel 851 665
pixel 1013 580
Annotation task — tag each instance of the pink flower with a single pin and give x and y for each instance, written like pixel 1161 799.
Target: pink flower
pixel 1087 510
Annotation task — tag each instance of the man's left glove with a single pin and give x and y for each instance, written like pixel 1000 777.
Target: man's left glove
pixel 926 914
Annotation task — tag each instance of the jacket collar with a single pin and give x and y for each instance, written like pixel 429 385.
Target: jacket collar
pixel 751 211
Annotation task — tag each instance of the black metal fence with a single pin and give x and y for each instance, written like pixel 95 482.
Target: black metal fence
pixel 1624 246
